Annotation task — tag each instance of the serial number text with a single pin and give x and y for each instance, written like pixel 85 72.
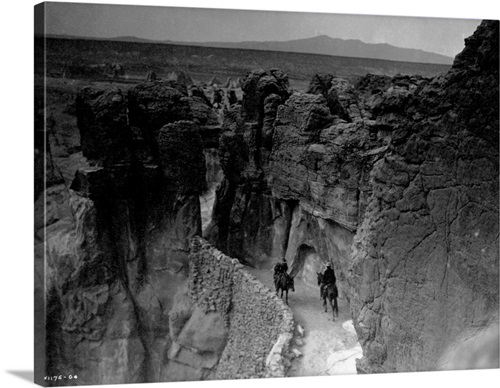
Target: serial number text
pixel 61 377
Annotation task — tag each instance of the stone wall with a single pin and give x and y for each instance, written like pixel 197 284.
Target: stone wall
pixel 231 326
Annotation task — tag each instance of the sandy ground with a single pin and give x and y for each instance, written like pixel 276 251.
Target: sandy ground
pixel 329 347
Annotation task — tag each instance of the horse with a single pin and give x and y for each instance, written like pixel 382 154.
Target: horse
pixel 284 282
pixel 331 292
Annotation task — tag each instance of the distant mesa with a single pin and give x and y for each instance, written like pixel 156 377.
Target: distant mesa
pixel 322 44
pixel 326 45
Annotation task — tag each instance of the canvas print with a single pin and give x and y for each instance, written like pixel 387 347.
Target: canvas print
pixel 227 194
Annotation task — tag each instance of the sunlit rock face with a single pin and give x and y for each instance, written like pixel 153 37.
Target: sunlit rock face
pixel 425 259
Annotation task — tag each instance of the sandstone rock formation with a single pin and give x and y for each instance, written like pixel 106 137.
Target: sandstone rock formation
pixel 425 259
pixel 396 183
pixel 118 239
pixel 295 178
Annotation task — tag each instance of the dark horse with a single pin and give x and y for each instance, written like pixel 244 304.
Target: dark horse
pixel 331 292
pixel 284 282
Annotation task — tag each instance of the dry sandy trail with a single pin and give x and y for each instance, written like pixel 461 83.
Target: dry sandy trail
pixel 330 347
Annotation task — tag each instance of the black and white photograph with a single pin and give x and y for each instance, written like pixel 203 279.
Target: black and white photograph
pixel 278 196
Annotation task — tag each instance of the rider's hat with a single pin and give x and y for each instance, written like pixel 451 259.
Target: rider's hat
pixel 328 265
pixel 283 258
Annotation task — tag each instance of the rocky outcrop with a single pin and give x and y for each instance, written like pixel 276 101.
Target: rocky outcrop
pixel 154 104
pixel 202 111
pixel 425 259
pixel 117 240
pixel 399 192
pixel 102 119
pixel 258 85
pixel 322 84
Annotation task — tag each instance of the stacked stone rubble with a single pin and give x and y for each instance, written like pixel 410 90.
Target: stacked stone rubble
pixel 257 326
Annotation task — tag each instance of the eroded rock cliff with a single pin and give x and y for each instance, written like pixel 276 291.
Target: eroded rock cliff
pixel 425 259
pixel 117 239
pixel 392 180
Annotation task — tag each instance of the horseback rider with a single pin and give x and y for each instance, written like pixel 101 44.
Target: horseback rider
pixel 279 269
pixel 328 278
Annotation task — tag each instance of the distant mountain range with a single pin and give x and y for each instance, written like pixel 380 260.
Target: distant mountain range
pixel 321 44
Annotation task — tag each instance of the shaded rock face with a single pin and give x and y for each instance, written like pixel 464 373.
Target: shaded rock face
pixel 117 240
pixel 399 193
pixel 425 259
pixel 244 210
pixel 102 117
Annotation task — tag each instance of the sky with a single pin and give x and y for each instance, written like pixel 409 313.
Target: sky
pixel 435 34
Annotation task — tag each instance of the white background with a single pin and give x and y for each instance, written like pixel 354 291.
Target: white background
pixel 16 190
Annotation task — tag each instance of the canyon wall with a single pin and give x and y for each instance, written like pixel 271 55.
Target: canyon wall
pixel 392 180
pixel 296 174
pixel 115 238
pixel 113 231
pixel 425 259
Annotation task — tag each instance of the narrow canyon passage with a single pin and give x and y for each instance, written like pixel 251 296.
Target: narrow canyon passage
pixel 329 347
